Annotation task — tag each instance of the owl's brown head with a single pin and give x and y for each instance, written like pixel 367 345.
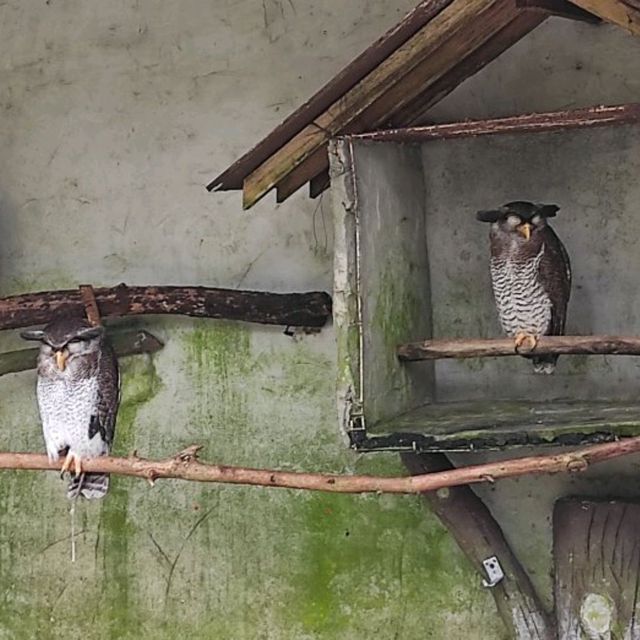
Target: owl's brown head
pixel 65 341
pixel 521 218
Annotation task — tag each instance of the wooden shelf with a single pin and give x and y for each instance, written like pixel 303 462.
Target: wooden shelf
pixel 464 426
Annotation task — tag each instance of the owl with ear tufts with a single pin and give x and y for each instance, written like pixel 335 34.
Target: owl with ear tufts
pixel 78 393
pixel 530 274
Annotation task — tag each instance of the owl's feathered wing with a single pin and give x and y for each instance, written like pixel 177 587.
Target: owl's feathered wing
pixel 102 423
pixel 555 276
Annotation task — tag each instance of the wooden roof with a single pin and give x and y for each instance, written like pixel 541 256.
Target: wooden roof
pixel 396 81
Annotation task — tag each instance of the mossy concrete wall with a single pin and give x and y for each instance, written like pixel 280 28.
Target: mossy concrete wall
pixel 114 116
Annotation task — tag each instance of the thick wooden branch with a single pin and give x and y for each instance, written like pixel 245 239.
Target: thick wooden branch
pixel 479 536
pixel 498 347
pixel 125 343
pixel 186 466
pixel 311 309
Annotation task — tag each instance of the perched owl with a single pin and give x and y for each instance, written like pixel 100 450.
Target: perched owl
pixel 78 396
pixel 530 274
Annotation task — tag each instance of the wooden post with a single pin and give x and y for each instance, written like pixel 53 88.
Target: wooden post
pixel 597 569
pixel 480 537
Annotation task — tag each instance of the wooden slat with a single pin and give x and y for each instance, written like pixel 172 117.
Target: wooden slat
pixel 530 123
pixel 416 112
pixel 597 569
pixel 233 177
pixel 394 111
pixel 316 163
pixel 624 13
pixel 319 183
pixel 560 8
pixel 425 75
pixel 447 38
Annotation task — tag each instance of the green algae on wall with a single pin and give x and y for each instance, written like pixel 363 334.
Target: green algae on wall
pixel 116 529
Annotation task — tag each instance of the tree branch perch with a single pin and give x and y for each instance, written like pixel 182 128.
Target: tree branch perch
pixel 311 309
pixel 498 347
pixel 186 466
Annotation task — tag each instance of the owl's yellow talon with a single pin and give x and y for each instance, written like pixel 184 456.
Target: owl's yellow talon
pixel 71 458
pixel 529 341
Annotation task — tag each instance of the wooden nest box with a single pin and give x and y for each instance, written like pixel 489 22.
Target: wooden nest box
pixel 411 261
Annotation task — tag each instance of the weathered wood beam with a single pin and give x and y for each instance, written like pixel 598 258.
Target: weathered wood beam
pixel 530 123
pixel 392 110
pixel 125 343
pixel 597 569
pixel 315 164
pixel 416 112
pixel 185 466
pixel 559 8
pixel 479 536
pixel 311 309
pixel 624 13
pixel 318 184
pixel 449 36
pixel 347 78
pixel 499 347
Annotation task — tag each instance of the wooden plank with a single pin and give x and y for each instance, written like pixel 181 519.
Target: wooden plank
pixel 499 347
pixel 597 569
pixel 530 123
pixel 422 79
pixel 319 183
pixel 560 8
pixel 416 112
pixel 448 37
pixel 624 13
pixel 233 177
pixel 479 536
pixel 125 343
pixel 317 162
pixel 396 113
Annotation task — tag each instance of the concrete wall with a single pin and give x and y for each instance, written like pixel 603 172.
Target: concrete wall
pixel 114 116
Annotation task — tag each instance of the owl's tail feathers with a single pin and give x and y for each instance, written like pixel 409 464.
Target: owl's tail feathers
pixel 90 485
pixel 544 364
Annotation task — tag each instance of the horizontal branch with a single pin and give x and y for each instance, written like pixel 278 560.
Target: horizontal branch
pixel 495 347
pixel 186 466
pixel 310 309
pixel 125 343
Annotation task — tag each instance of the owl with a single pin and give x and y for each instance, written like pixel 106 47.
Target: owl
pixel 78 393
pixel 530 274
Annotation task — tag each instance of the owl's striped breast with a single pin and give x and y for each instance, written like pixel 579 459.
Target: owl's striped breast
pixel 523 304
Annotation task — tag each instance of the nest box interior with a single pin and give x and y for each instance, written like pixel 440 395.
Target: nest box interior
pixel 412 263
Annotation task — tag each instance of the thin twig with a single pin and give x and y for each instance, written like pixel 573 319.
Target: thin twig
pixel 186 466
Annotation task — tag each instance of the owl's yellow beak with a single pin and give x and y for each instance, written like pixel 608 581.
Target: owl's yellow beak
pixel 525 230
pixel 61 359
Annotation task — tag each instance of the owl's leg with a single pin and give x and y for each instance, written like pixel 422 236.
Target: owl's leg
pixel 527 339
pixel 71 458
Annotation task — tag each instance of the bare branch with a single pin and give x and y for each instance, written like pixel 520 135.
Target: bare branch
pixel 497 347
pixel 186 466
pixel 311 309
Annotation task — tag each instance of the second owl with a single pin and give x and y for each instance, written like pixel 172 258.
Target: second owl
pixel 530 274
